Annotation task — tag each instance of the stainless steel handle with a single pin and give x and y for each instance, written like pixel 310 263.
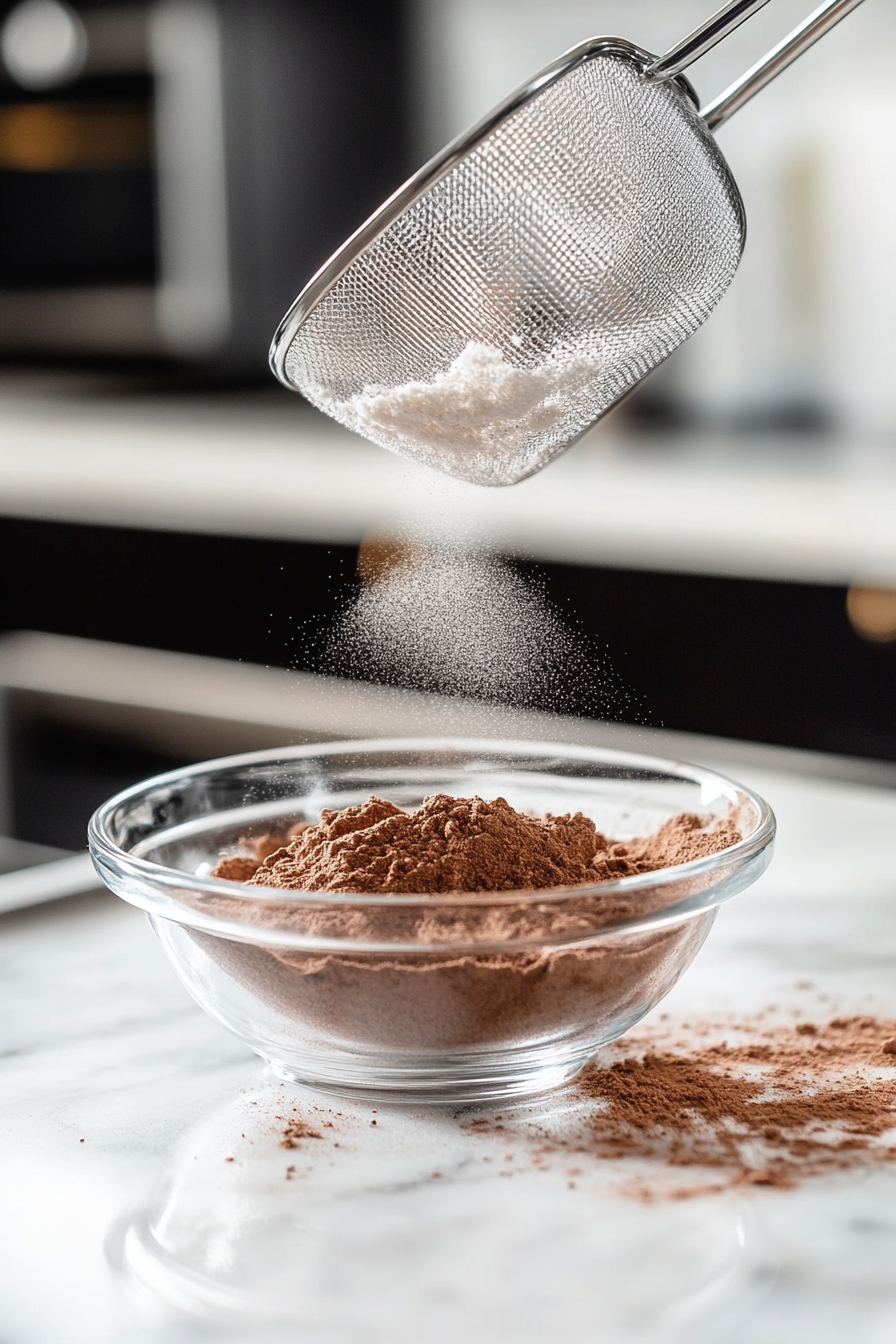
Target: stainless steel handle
pixel 778 59
pixel 703 39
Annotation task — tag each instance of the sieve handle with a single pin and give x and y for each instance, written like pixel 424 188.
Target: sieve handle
pixel 778 59
pixel 703 39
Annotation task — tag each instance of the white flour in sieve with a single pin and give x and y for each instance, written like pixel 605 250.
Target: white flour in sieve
pixel 480 404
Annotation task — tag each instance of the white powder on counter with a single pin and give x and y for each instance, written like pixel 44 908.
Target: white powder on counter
pixel 481 405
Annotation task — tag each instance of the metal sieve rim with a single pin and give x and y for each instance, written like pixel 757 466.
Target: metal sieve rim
pixel 433 171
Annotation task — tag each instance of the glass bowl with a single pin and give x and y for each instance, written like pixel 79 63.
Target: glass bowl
pixel 439 998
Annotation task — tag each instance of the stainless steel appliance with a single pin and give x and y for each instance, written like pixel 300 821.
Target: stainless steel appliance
pixel 171 172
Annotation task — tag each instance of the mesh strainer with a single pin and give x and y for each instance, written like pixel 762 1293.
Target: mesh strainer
pixel 538 268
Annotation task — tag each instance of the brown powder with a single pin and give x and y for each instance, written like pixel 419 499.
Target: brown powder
pixel 454 845
pixel 775 1109
pixel 236 868
pixel 545 976
pixel 295 1129
pixel 242 867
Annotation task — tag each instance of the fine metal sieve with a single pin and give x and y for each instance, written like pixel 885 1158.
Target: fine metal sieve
pixel 530 275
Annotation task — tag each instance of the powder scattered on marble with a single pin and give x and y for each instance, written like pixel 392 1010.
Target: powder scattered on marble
pixel 774 1108
pixel 297 1129
pixel 453 845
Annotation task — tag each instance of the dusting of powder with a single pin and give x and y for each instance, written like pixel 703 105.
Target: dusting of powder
pixel 755 1106
pixel 454 622
pixel 480 405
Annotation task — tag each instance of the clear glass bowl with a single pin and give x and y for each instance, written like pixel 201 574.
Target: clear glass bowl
pixel 436 998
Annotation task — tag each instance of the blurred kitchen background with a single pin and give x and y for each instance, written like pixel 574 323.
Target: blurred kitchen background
pixel 178 529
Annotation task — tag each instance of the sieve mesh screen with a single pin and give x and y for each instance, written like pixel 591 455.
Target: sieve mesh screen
pixel 507 308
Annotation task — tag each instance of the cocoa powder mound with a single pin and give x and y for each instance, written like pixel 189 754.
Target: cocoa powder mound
pixel 465 974
pixel 781 1106
pixel 242 867
pixel 453 845
pixel 235 868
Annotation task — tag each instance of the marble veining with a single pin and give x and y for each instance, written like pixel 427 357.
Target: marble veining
pixel 123 1219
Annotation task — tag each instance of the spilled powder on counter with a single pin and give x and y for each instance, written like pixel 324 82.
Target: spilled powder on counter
pixel 296 1129
pixel 774 1108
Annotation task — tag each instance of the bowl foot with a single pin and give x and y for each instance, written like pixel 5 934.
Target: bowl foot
pixel 436 1085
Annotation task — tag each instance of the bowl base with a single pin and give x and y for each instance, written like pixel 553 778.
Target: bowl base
pixel 432 1086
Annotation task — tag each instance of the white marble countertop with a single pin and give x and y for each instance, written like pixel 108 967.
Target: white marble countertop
pixel 120 1099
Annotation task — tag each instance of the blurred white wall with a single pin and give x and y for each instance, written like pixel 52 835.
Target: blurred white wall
pixel 809 319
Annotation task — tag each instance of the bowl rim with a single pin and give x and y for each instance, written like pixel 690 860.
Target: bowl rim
pixel 104 850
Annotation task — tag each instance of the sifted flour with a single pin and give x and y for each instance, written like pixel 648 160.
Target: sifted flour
pixel 481 405
pixel 459 622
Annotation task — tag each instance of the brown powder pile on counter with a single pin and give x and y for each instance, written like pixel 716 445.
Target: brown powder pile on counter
pixel 786 1104
pixel 296 1129
pixel 453 845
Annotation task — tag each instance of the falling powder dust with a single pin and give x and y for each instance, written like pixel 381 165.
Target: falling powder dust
pixel 434 617
pixel 480 407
